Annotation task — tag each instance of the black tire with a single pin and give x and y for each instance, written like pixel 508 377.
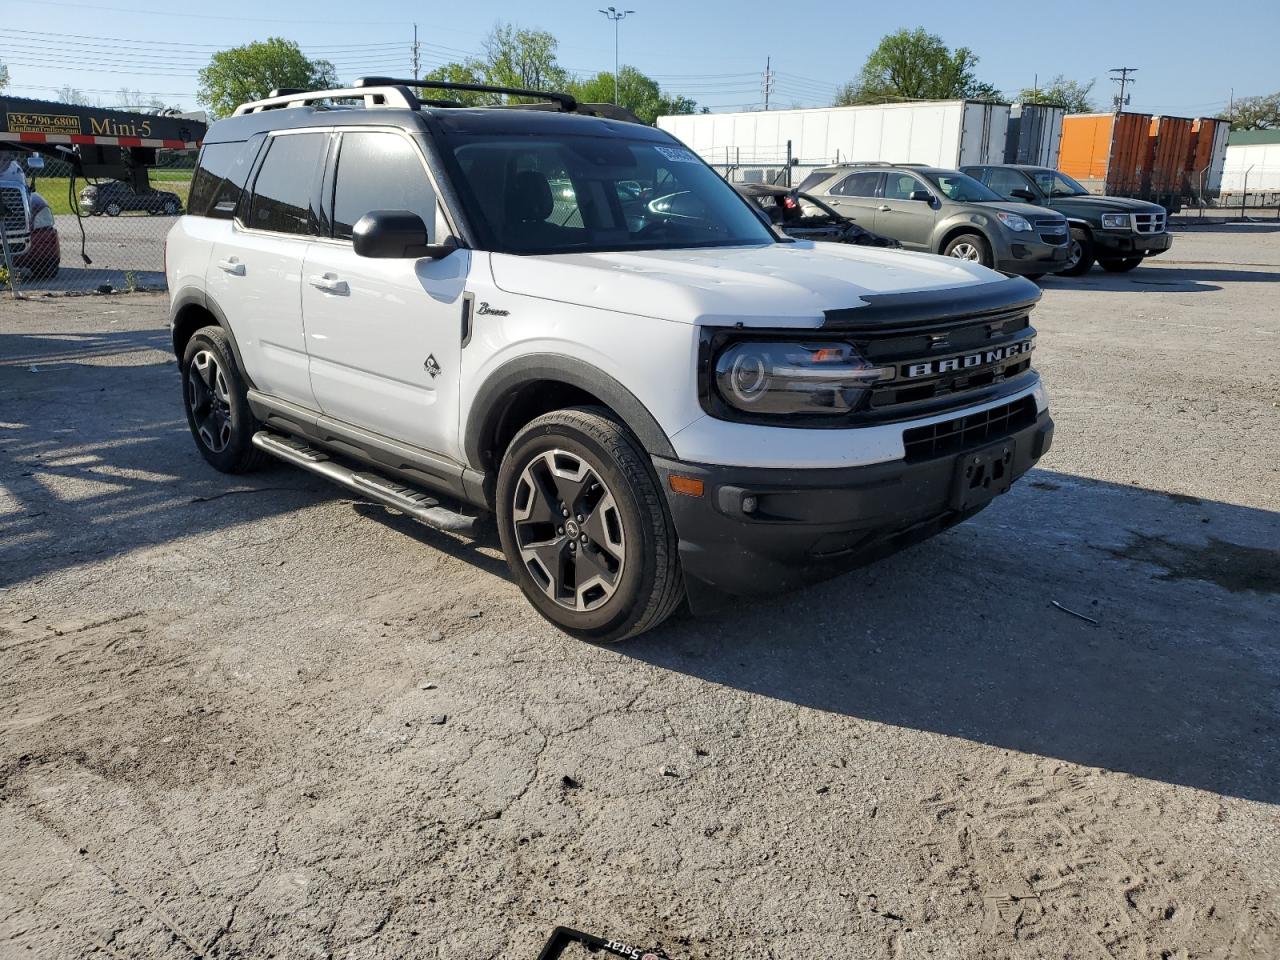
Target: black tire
pixel 628 508
pixel 1120 266
pixel 972 247
pixel 1035 276
pixel 218 413
pixel 1080 256
pixel 113 209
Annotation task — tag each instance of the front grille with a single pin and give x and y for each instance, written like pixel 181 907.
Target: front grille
pixel 1149 222
pixel 1052 231
pixel 944 368
pixel 15 215
pixel 949 437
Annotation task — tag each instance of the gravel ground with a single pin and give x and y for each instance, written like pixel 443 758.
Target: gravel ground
pixel 251 717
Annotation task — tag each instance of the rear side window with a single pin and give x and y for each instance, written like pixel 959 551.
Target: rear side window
pixel 220 177
pixel 380 171
pixel 857 185
pixel 283 190
pixel 1004 182
pixel 812 180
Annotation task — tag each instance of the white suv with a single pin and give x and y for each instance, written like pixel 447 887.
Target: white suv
pixel 563 317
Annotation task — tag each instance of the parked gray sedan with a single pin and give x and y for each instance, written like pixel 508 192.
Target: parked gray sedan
pixel 944 211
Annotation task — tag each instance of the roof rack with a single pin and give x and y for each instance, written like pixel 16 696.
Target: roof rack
pixel 565 101
pixel 388 95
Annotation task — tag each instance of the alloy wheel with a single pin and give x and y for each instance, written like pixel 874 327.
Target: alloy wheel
pixel 568 529
pixel 1074 253
pixel 966 251
pixel 209 400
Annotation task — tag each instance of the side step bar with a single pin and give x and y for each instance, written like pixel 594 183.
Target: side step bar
pixel 388 492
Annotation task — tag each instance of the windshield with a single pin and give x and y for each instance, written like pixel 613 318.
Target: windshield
pixel 564 193
pixel 1054 184
pixel 961 188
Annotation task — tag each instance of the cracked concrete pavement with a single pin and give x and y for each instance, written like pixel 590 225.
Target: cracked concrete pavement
pixel 251 716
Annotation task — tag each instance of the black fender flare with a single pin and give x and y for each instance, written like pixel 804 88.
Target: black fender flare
pixel 490 401
pixel 195 297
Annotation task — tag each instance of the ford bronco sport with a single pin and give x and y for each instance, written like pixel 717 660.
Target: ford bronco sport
pixel 560 316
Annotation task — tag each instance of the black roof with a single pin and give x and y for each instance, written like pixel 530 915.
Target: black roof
pixel 448 120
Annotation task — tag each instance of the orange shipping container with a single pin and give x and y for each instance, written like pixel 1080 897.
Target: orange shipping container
pixel 1109 153
pixel 1170 146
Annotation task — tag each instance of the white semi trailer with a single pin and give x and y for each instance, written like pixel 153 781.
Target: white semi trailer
pixel 944 133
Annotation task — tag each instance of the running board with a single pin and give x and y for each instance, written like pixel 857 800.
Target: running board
pixel 391 493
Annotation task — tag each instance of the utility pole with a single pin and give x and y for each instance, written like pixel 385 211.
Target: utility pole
pixel 616 16
pixel 1124 81
pixel 414 51
pixel 767 83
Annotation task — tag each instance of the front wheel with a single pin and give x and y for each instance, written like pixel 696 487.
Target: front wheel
pixel 114 209
pixel 1079 255
pixel 585 527
pixel 972 247
pixel 1120 266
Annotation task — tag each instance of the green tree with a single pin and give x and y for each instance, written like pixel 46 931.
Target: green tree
pixel 251 72
pixel 1256 113
pixel 513 57
pixel 638 93
pixel 1072 94
pixel 916 65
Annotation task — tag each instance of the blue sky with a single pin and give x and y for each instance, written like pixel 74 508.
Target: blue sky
pixel 1189 54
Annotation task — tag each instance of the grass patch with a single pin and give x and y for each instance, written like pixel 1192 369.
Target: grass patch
pixel 54 189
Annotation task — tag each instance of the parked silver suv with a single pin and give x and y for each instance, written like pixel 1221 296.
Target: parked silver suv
pixel 944 211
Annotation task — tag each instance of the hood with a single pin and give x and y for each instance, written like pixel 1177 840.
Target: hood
pixel 1029 210
pixel 1109 204
pixel 778 285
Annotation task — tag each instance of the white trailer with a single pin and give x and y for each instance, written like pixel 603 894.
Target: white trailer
pixel 943 133
pixel 1252 164
pixel 1035 134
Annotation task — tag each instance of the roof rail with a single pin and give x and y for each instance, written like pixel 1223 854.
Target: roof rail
pixel 389 95
pixel 567 102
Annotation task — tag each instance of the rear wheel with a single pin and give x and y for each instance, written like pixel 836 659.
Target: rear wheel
pixel 972 247
pixel 171 208
pixel 1120 266
pixel 113 209
pixel 1079 254
pixel 215 396
pixel 585 527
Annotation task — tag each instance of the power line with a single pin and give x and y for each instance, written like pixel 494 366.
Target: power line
pixel 212 16
pixel 1121 101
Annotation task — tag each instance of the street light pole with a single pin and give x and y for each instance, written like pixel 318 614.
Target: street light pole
pixel 615 15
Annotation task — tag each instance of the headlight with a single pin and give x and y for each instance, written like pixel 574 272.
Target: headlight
pixel 1115 221
pixel 781 379
pixel 1014 222
pixel 43 219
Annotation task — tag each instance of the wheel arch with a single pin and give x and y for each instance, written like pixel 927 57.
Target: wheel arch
pixel 527 387
pixel 950 231
pixel 192 309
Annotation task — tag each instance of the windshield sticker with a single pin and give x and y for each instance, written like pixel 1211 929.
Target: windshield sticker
pixel 677 154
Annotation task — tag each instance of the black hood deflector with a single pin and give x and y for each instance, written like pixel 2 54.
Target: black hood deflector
pixel 936 307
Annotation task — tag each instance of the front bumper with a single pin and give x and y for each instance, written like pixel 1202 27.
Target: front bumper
pixel 1108 246
pixel 1031 256
pixel 43 253
pixel 811 524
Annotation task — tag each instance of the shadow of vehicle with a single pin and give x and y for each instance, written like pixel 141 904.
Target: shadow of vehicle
pixel 1165 279
pixel 1179 679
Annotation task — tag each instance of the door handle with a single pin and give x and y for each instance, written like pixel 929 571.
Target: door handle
pixel 884 208
pixel 232 266
pixel 330 284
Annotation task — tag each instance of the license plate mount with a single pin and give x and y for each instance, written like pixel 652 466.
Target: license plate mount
pixel 982 475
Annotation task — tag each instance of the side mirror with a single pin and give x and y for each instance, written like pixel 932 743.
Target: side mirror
pixel 35 162
pixel 396 235
pixel 922 195
pixel 1022 193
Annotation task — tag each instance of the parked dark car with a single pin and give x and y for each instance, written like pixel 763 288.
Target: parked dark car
pixel 1117 232
pixel 114 197
pixel 806 217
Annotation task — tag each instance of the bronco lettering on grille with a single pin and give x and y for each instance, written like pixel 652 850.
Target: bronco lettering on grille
pixel 929 368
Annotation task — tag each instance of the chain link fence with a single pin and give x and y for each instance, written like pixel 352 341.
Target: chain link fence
pixel 64 234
